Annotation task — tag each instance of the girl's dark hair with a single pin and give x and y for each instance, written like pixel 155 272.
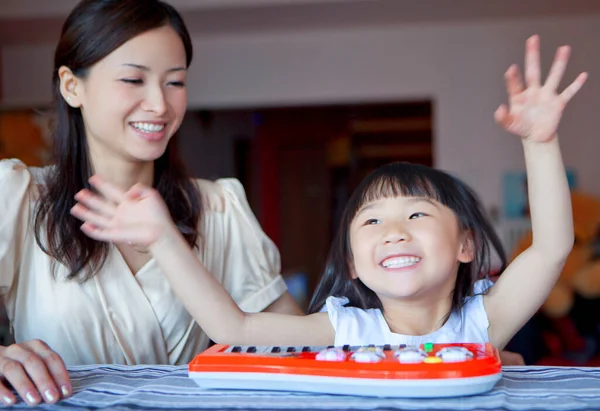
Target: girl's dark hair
pixel 94 29
pixel 404 179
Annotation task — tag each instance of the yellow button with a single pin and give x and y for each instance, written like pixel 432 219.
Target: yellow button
pixel 432 360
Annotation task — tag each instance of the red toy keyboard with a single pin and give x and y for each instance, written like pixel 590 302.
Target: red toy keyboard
pixel 429 370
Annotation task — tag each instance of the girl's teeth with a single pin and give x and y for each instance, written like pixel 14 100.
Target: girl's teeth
pixel 399 262
pixel 151 128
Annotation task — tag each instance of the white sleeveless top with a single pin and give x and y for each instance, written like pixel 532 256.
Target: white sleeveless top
pixel 355 326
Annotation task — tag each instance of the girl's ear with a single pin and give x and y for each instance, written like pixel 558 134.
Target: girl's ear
pixel 467 249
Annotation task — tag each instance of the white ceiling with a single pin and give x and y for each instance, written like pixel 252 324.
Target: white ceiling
pixel 55 8
pixel 30 21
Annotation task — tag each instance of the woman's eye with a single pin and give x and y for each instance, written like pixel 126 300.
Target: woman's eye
pixel 177 83
pixel 372 221
pixel 416 215
pixel 132 81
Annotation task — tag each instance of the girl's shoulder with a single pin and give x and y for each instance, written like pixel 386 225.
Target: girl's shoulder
pixel 340 312
pixel 481 286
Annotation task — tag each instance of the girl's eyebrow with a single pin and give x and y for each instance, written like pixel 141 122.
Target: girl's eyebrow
pixel 373 205
pixel 422 199
pixel 367 207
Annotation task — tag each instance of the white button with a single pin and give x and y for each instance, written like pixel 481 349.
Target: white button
pixel 410 355
pixel 454 354
pixel 331 354
pixel 367 354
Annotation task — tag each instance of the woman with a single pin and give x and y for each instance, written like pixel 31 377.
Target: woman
pixel 120 96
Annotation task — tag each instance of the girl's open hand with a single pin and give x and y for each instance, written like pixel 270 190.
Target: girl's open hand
pixel 138 216
pixel 534 110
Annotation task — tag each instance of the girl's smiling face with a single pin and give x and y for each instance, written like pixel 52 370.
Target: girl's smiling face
pixel 407 248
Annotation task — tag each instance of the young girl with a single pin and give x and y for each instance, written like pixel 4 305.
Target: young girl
pixel 413 244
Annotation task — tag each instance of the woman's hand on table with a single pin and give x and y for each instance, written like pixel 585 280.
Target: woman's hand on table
pixel 35 371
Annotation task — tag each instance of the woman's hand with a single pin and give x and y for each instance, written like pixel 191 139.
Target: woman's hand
pixel 35 371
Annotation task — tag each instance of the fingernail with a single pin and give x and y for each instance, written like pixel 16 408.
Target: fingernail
pixel 50 394
pixel 8 400
pixel 30 398
pixel 66 390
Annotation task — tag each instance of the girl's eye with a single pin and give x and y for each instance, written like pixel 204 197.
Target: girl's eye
pixel 372 221
pixel 416 215
pixel 177 83
pixel 132 81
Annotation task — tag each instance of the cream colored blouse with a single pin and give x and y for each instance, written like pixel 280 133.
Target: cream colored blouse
pixel 116 317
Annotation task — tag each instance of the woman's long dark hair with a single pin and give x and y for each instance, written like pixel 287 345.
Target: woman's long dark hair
pixel 93 30
pixel 404 179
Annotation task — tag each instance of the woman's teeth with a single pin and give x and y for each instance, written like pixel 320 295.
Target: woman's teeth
pixel 150 128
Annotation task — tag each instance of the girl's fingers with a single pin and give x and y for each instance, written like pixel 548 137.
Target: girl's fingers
pixel 558 68
pixel 514 82
pixel 108 190
pixel 532 61
pixel 138 192
pixel 132 234
pixel 97 233
pixel 96 203
pixel 573 88
pixel 502 116
pixel 87 215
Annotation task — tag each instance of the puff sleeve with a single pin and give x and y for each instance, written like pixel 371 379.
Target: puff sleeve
pixel 15 180
pixel 237 251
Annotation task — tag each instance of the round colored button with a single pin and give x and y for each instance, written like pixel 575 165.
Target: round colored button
pixel 331 354
pixel 410 355
pixel 368 354
pixel 454 354
pixel 432 360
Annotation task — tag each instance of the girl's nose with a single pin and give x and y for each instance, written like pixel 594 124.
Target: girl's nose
pixel 396 234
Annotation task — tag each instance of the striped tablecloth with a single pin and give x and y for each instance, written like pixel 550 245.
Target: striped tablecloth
pixel 168 387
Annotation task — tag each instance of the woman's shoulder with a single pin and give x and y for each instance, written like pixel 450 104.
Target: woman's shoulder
pixel 211 194
pixel 12 166
pixel 16 176
pixel 219 195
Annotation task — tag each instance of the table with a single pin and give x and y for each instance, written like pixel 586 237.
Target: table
pixel 168 387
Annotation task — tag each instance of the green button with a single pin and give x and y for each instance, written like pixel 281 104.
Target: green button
pixel 428 347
